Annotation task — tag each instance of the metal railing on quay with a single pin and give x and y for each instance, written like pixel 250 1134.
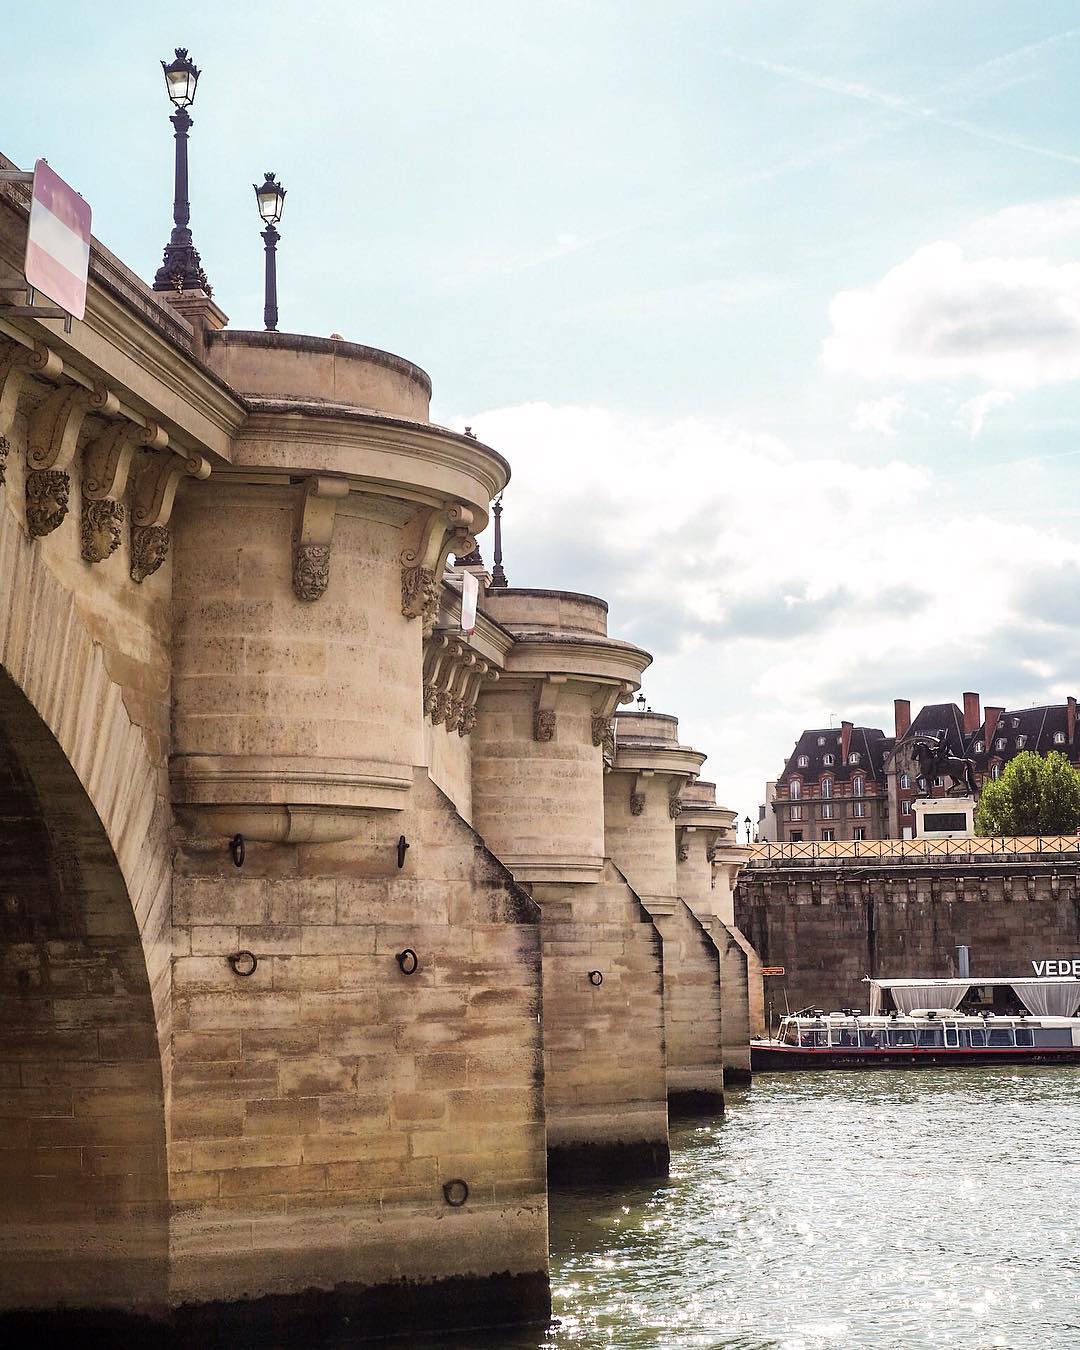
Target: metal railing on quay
pixel 913 850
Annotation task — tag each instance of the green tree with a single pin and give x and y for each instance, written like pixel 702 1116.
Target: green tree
pixel 1036 794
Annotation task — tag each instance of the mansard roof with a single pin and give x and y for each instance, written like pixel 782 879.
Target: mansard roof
pixel 868 742
pixel 1025 729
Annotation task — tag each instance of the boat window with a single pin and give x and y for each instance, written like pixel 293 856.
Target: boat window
pixel 930 1036
pixel 1024 1036
pixel 870 1038
pixel 846 1036
pixel 976 1038
pixel 790 1034
pixel 900 1036
pixel 1053 1036
pixel 816 1037
pixel 952 1035
pixel 1000 1036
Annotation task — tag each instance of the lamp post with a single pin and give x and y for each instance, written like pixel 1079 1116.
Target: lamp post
pixel 640 701
pixel 271 198
pixel 747 822
pixel 182 268
pixel 498 576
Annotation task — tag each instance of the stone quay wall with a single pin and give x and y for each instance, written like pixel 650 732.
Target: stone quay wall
pixel 832 922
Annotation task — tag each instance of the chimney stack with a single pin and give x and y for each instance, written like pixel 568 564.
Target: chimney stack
pixel 1070 719
pixel 902 711
pixel 845 741
pixel 972 715
pixel 993 716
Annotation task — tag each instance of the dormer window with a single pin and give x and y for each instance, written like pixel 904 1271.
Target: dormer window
pixel 1015 723
pixel 830 760
pixel 803 761
pixel 979 747
pixel 999 744
pixel 826 787
pixel 1059 738
pixel 1021 741
pixel 821 740
pixel 995 769
pixel 853 758
pixel 795 789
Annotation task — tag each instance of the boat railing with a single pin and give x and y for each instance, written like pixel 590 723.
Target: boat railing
pixel 916 850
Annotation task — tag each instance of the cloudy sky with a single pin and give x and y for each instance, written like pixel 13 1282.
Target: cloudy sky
pixel 774 307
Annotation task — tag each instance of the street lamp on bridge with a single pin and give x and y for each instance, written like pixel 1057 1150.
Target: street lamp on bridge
pixel 182 268
pixel 271 198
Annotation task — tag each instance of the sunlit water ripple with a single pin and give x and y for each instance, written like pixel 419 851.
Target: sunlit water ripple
pixel 898 1209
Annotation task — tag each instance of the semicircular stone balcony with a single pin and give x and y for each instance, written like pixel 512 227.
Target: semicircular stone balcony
pixel 307 570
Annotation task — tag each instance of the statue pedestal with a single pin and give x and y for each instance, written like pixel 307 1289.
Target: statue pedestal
pixel 944 817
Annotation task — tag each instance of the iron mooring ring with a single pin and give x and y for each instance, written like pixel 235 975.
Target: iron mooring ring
pixel 408 961
pixel 236 848
pixel 244 963
pixel 455 1192
pixel 596 977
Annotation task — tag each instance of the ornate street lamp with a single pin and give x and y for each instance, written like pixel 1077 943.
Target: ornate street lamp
pixel 747 822
pixel 271 198
pixel 640 701
pixel 498 576
pixel 182 268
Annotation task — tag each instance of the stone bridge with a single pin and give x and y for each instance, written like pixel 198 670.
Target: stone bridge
pixel 327 930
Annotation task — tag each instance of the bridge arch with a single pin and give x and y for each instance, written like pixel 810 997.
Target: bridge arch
pixel 84 892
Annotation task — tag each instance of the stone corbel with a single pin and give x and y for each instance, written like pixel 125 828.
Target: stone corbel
pixel 637 792
pixel 151 506
pixel 440 711
pixel 313 536
pixel 675 798
pixel 429 538
pixel 472 692
pixel 436 651
pixel 106 463
pixel 682 845
pixel 544 720
pixel 16 364
pixel 459 682
pixel 51 444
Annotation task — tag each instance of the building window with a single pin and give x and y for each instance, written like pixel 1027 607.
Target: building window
pixel 826 810
pixel 795 789
pixel 939 782
pixel 853 758
pixel 905 808
pixel 828 836
pixel 999 744
pixel 1059 738
pixel 1021 741
pixel 803 761
pixel 830 760
pixel 821 740
pixel 796 813
pixel 905 780
pixel 826 787
pixel 1015 722
pixel 979 747
pixel 860 832
pixel 859 809
pixel 858 785
pixel 995 769
pixel 796 837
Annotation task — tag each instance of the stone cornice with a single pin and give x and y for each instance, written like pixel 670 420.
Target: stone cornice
pixel 535 654
pixel 376 452
pixel 674 759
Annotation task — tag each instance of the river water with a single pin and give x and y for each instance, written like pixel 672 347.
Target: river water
pixel 902 1208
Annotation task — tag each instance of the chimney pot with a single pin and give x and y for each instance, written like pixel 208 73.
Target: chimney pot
pixel 972 715
pixel 1070 717
pixel 902 713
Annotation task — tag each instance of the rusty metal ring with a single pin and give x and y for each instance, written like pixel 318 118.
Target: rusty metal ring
pixel 455 1192
pixel 236 848
pixel 596 977
pixel 408 961
pixel 244 963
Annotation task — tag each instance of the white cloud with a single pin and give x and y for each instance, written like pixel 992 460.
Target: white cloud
pixel 879 415
pixel 1012 323
pixel 772 588
pixel 971 416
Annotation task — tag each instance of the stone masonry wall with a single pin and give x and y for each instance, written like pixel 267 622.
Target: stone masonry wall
pixel 604 1050
pixel 693 1014
pixel 830 927
pixel 321 1104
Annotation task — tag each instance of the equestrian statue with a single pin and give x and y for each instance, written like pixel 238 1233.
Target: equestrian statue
pixel 935 760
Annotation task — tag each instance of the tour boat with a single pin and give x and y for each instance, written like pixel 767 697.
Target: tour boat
pixel 970 1020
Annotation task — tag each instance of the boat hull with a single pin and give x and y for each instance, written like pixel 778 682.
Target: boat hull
pixel 766 1058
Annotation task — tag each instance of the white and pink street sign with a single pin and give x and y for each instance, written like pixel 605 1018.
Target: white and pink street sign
pixel 58 242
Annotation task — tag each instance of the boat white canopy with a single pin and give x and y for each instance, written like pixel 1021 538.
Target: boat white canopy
pixel 1048 996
